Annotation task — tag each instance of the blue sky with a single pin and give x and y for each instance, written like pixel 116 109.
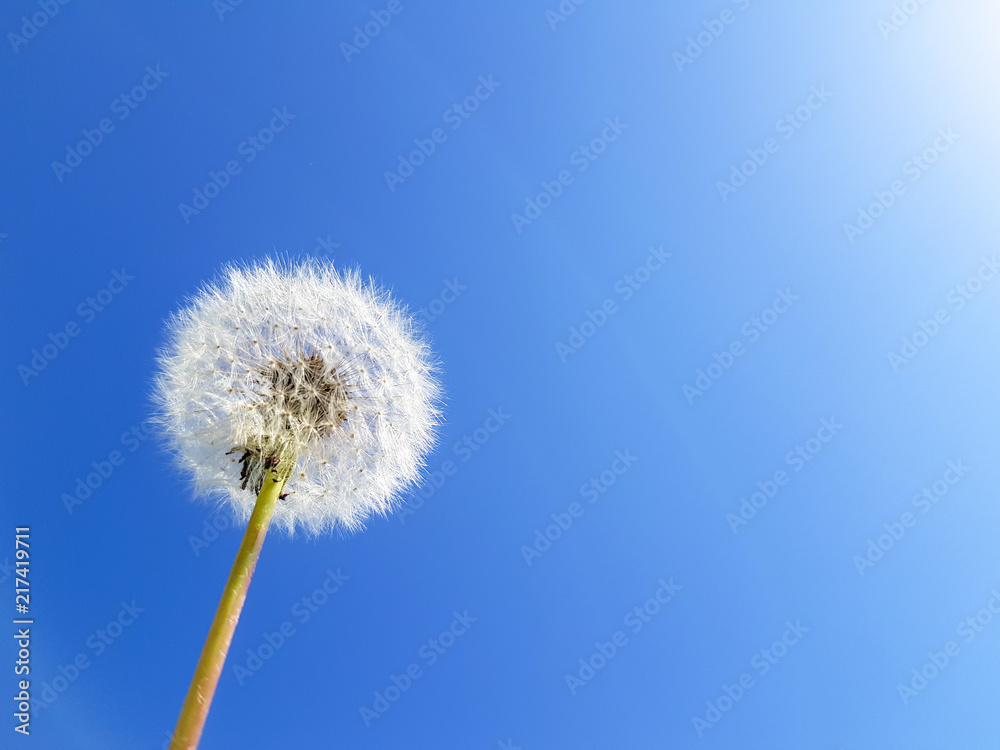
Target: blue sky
pixel 684 255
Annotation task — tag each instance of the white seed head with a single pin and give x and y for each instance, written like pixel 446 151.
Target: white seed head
pixel 282 365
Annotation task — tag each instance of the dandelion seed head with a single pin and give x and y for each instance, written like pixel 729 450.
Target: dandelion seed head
pixel 304 367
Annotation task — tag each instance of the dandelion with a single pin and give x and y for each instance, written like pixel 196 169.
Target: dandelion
pixel 301 396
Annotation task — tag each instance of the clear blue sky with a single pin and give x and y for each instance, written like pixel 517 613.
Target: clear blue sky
pixel 681 315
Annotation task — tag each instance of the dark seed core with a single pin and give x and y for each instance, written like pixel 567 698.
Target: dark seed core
pixel 308 395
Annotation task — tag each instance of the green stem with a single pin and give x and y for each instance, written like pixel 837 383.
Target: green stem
pixel 187 734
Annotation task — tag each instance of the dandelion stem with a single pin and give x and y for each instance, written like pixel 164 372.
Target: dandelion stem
pixel 187 734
